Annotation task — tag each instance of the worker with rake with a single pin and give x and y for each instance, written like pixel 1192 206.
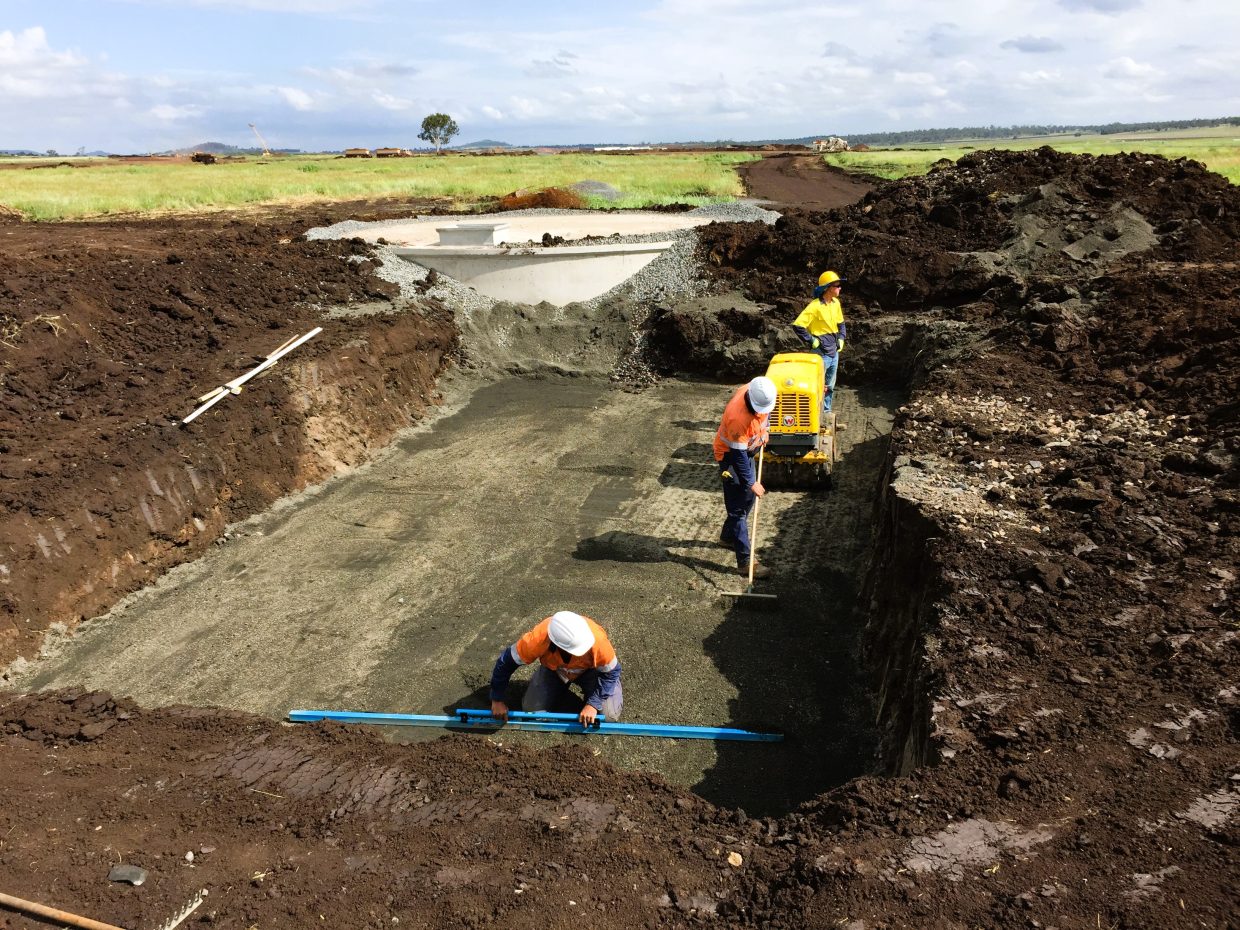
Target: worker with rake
pixel 568 648
pixel 743 429
pixel 821 327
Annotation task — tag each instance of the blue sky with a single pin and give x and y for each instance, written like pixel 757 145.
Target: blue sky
pixel 148 75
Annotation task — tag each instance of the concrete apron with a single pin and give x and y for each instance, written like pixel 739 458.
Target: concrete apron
pixel 531 228
pixel 395 588
pixel 496 255
pixel 558 275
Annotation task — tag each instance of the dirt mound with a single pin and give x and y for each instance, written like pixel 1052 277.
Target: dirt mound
pixel 556 198
pixel 289 827
pixel 930 238
pixel 998 234
pixel 109 332
pixel 1063 519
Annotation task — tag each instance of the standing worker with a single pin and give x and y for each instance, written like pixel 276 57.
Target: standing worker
pixel 821 326
pixel 743 429
pixel 569 648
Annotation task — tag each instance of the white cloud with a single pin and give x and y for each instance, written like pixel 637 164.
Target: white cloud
pixel 1127 69
pixel 296 98
pixel 389 102
pixel 1109 7
pixel 164 111
pixel 561 65
pixel 30 68
pixel 319 7
pixel 1032 44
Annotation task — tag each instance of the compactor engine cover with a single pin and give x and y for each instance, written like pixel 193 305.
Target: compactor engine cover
pixel 795 425
pixel 800 451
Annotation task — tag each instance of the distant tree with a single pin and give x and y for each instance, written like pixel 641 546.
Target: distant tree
pixel 437 129
pixel 52 153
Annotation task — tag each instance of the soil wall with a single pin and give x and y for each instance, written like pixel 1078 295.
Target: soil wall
pixel 110 333
pixel 900 593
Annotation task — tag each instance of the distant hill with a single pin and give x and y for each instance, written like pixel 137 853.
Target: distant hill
pixel 481 144
pixel 954 133
pixel 215 148
pixel 220 148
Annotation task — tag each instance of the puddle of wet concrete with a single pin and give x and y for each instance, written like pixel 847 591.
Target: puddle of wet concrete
pixel 394 589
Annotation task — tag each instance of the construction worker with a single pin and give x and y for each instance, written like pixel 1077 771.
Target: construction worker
pixel 821 327
pixel 742 430
pixel 568 648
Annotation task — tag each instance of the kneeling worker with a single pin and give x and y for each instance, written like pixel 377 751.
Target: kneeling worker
pixel 569 648
pixel 743 429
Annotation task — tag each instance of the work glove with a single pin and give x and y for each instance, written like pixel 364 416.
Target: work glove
pixel 814 343
pixel 840 347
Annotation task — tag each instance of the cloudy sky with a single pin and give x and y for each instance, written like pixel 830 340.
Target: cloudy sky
pixel 148 75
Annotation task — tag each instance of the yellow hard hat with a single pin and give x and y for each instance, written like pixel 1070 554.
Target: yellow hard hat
pixel 827 278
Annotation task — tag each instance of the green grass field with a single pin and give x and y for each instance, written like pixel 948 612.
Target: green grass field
pixel 1217 148
pixel 96 187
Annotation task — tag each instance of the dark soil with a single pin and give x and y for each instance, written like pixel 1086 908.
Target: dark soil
pixel 108 334
pixel 1052 616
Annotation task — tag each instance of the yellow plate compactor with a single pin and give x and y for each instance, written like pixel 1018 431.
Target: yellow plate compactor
pixel 801 450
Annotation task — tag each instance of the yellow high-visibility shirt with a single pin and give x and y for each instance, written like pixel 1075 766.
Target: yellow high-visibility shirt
pixel 821 318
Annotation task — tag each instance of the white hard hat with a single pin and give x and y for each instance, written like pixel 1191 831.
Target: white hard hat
pixel 571 633
pixel 762 394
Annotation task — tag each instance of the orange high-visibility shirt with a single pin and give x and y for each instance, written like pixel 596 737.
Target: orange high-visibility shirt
pixel 536 646
pixel 739 428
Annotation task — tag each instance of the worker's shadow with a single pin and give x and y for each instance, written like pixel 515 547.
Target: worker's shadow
pixel 620 546
pixel 692 466
pixel 798 665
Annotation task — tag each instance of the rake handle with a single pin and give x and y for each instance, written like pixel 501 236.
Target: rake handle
pixel 62 917
pixel 753 527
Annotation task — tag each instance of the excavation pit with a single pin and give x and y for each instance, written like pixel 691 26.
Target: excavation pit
pixel 395 588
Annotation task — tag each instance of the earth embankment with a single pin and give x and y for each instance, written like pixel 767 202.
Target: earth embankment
pixel 110 332
pixel 1049 622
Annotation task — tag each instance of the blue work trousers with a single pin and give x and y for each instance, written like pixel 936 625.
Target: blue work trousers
pixel 738 501
pixel 830 368
pixel 547 690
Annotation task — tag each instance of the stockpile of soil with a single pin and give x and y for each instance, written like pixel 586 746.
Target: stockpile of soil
pixel 330 826
pixel 108 333
pixel 1064 496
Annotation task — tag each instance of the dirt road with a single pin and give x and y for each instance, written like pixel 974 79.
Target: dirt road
pixel 394 589
pixel 801 181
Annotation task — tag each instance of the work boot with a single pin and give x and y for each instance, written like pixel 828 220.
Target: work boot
pixel 759 570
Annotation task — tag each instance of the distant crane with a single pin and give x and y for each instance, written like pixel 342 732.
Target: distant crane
pixel 261 140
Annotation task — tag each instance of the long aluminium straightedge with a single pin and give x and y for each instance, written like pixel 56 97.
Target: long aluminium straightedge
pixel 467 719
